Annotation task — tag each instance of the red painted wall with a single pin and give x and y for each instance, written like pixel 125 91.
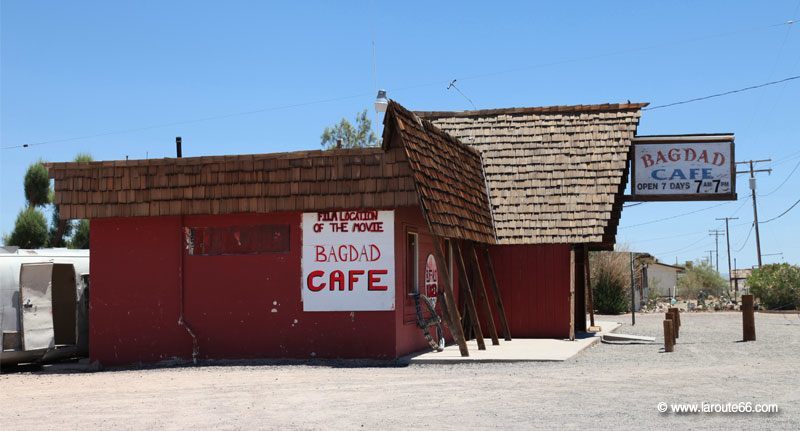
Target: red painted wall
pixel 408 335
pixel 239 306
pixel 534 284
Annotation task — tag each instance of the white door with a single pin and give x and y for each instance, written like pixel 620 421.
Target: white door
pixel 36 303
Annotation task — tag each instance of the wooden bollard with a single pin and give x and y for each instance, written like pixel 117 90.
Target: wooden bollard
pixel 748 319
pixel 676 321
pixel 669 337
pixel 669 315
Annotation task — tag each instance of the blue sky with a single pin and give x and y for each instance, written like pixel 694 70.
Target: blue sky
pixel 76 69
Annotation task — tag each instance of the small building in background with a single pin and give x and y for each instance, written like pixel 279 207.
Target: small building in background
pixel 661 279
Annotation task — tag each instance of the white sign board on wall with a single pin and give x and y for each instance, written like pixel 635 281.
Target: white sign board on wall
pixel 348 261
pixel 683 168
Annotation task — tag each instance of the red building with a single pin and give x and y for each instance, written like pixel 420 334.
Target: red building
pixel 313 254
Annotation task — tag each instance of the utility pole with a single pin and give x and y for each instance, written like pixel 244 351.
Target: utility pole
pixel 716 233
pixel 752 173
pixel 710 257
pixel 730 273
pixel 633 292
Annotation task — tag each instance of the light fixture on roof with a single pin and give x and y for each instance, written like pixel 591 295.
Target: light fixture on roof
pixel 381 102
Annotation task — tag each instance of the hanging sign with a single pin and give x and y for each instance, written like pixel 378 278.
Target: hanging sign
pixel 348 261
pixel 431 279
pixel 686 167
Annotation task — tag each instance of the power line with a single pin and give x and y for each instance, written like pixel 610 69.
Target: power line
pixel 478 76
pixel 676 216
pixel 196 120
pixel 726 93
pixel 784 181
pixel 747 238
pixel 781 214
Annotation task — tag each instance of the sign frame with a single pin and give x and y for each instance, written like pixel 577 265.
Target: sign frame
pixel 683 139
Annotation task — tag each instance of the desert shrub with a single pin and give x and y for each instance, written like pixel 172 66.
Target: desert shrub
pixel 776 285
pixel 701 277
pixel 610 279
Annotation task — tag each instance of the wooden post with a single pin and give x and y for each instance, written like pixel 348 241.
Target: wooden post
pixel 676 320
pixel 588 284
pixel 498 300
pixel 484 296
pixel 669 340
pixel 453 316
pixel 470 300
pixel 671 317
pixel 748 319
pixel 572 294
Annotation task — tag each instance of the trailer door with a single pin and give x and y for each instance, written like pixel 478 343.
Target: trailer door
pixel 36 303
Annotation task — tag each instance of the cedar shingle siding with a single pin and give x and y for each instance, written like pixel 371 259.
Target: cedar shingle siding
pixel 448 176
pixel 555 174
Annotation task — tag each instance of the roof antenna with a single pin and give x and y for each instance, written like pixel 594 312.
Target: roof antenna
pixel 453 85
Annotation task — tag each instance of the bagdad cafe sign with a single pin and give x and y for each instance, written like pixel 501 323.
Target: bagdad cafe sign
pixel 348 261
pixel 684 167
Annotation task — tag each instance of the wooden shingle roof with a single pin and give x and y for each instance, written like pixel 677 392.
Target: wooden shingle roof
pixel 448 177
pixel 556 175
pixel 297 181
pixel 418 165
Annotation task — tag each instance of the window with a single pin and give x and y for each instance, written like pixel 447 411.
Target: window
pixel 412 263
pixel 227 240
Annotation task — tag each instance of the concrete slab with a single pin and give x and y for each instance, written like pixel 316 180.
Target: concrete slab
pixel 517 350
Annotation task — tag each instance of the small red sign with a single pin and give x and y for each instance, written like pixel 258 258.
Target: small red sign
pixel 431 279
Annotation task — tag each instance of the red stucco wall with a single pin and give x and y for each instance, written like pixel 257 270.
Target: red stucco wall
pixel 239 306
pixel 248 306
pixel 534 283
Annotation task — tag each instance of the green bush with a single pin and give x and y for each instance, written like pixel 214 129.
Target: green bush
pixel 701 277
pixel 610 272
pixel 30 230
pixel 777 286
pixel 609 296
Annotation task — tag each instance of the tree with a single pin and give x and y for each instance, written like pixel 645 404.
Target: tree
pixel 80 239
pixel 701 277
pixel 358 136
pixel 60 229
pixel 37 185
pixel 776 285
pixel 30 229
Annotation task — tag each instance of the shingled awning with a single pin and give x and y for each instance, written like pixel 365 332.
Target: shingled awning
pixel 417 165
pixel 556 175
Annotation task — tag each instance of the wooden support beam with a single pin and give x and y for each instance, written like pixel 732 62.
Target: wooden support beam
pixel 484 297
pixel 453 317
pixel 469 298
pixel 498 300
pixel 572 294
pixel 588 283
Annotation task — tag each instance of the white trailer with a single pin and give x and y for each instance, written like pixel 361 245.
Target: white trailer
pixel 43 304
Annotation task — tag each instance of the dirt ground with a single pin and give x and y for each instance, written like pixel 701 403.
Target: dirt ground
pixel 606 386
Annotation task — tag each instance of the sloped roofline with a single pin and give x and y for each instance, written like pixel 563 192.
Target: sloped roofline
pixel 558 109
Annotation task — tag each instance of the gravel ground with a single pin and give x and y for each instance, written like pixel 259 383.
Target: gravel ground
pixel 606 386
